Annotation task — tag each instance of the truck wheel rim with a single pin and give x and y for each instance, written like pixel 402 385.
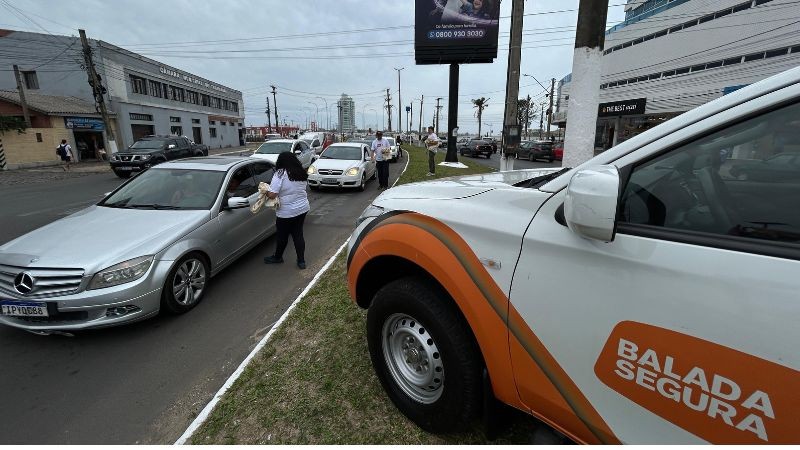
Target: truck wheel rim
pixel 189 282
pixel 413 358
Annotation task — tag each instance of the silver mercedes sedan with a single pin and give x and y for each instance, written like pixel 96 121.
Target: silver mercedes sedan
pixel 176 225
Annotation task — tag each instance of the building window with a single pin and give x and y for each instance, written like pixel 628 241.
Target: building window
pixel 205 100
pixel 177 131
pixel 212 122
pixel 175 119
pixel 212 132
pixel 235 106
pixel 215 102
pixel 193 97
pixel 144 117
pixel 155 88
pixel 240 124
pixel 38 137
pixel 178 94
pixel 165 89
pixel 31 81
pixel 195 120
pixel 139 85
pixel 225 105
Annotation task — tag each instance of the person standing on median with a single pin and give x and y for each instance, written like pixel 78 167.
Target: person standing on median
pixel 432 143
pixel 381 152
pixel 289 186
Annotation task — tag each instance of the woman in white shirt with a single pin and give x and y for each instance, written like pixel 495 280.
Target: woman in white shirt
pixel 289 185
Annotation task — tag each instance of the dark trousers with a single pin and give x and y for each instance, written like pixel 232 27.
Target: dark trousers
pixel 291 226
pixel 383 173
pixel 431 162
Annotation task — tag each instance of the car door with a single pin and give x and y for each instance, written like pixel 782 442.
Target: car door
pixel 186 148
pixel 369 164
pixel 264 223
pixel 172 150
pixel 238 226
pixel 683 329
pixel 305 154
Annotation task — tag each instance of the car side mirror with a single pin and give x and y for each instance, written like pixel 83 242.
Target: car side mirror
pixel 297 152
pixel 237 203
pixel 590 207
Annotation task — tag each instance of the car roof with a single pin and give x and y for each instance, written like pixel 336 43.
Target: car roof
pixel 283 140
pixel 213 163
pixel 347 144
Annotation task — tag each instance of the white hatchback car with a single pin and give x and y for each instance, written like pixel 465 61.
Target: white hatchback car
pixel 344 164
pixel 271 149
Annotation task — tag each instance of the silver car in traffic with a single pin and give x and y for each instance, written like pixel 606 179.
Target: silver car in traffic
pixel 174 226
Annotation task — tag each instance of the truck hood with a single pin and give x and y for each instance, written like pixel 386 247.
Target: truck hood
pixel 98 237
pixel 463 186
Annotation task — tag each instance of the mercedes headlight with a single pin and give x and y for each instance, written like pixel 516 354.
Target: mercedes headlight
pixel 352 172
pixel 371 212
pixel 121 273
pixel 312 170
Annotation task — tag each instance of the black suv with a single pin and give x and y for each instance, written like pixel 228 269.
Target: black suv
pixel 533 150
pixel 475 148
pixel 151 150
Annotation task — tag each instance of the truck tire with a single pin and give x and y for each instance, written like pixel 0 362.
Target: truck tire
pixel 425 356
pixel 122 174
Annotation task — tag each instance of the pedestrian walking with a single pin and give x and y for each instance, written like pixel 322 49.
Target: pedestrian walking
pixel 289 185
pixel 64 151
pixel 432 143
pixel 381 152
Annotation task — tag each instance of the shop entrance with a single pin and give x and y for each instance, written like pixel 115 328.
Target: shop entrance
pixel 89 145
pixel 140 131
pixel 197 134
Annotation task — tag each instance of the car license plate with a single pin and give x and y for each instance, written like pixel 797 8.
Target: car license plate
pixel 330 181
pixel 124 168
pixel 23 309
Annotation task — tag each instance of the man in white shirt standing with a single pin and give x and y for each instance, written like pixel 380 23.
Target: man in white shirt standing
pixel 432 143
pixel 381 152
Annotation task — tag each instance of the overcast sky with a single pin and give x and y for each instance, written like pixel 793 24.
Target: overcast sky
pixel 311 48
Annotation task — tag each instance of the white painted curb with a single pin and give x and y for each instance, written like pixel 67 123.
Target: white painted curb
pixel 203 416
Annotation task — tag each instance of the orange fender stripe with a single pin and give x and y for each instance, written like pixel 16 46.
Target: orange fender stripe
pixel 446 256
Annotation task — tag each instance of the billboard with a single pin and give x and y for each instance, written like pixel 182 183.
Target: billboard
pixel 456 31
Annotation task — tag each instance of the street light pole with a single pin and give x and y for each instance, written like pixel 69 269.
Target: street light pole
pixel 399 103
pixel 316 117
pixel 363 118
pixel 327 111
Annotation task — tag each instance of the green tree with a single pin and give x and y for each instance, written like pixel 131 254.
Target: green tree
pixel 480 104
pixel 525 112
pixel 12 123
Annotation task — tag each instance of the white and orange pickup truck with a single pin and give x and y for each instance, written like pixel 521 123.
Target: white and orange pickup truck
pixel 650 295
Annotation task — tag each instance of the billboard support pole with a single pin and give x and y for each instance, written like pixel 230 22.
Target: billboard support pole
pixel 452 115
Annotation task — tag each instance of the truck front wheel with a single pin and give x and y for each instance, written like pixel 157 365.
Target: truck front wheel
pixel 425 356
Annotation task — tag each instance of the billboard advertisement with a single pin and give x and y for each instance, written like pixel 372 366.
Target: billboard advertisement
pixel 456 31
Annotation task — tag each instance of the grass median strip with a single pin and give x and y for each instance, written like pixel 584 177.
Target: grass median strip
pixel 313 382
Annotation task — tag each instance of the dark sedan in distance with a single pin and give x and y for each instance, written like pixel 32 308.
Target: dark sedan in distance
pixel 533 150
pixel 475 148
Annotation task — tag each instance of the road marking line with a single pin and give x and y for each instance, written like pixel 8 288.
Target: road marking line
pixel 206 412
pixel 203 416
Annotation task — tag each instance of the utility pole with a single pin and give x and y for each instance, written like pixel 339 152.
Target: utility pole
pixel 389 111
pixel 22 102
pixel 584 95
pixel 438 99
pixel 512 86
pixel 275 106
pixel 527 115
pixel 327 111
pixel 269 118
pixel 399 103
pixel 550 108
pixel 422 100
pixel 97 90
pixel 541 122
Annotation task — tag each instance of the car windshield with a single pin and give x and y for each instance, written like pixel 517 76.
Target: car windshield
pixel 274 148
pixel 343 152
pixel 308 141
pixel 391 141
pixel 168 189
pixel 150 144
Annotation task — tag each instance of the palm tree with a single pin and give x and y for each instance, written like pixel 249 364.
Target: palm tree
pixel 480 105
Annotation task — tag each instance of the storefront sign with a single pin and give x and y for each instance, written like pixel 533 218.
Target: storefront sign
pixel 456 32
pixel 84 123
pixel 191 79
pixel 623 108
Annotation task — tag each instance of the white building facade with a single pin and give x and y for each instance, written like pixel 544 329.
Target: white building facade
pixel 670 56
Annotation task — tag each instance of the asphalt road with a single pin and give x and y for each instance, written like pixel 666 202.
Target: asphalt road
pixel 494 162
pixel 144 383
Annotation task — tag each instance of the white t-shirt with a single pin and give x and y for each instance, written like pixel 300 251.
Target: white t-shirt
pixel 378 146
pixel 292 195
pixel 432 142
